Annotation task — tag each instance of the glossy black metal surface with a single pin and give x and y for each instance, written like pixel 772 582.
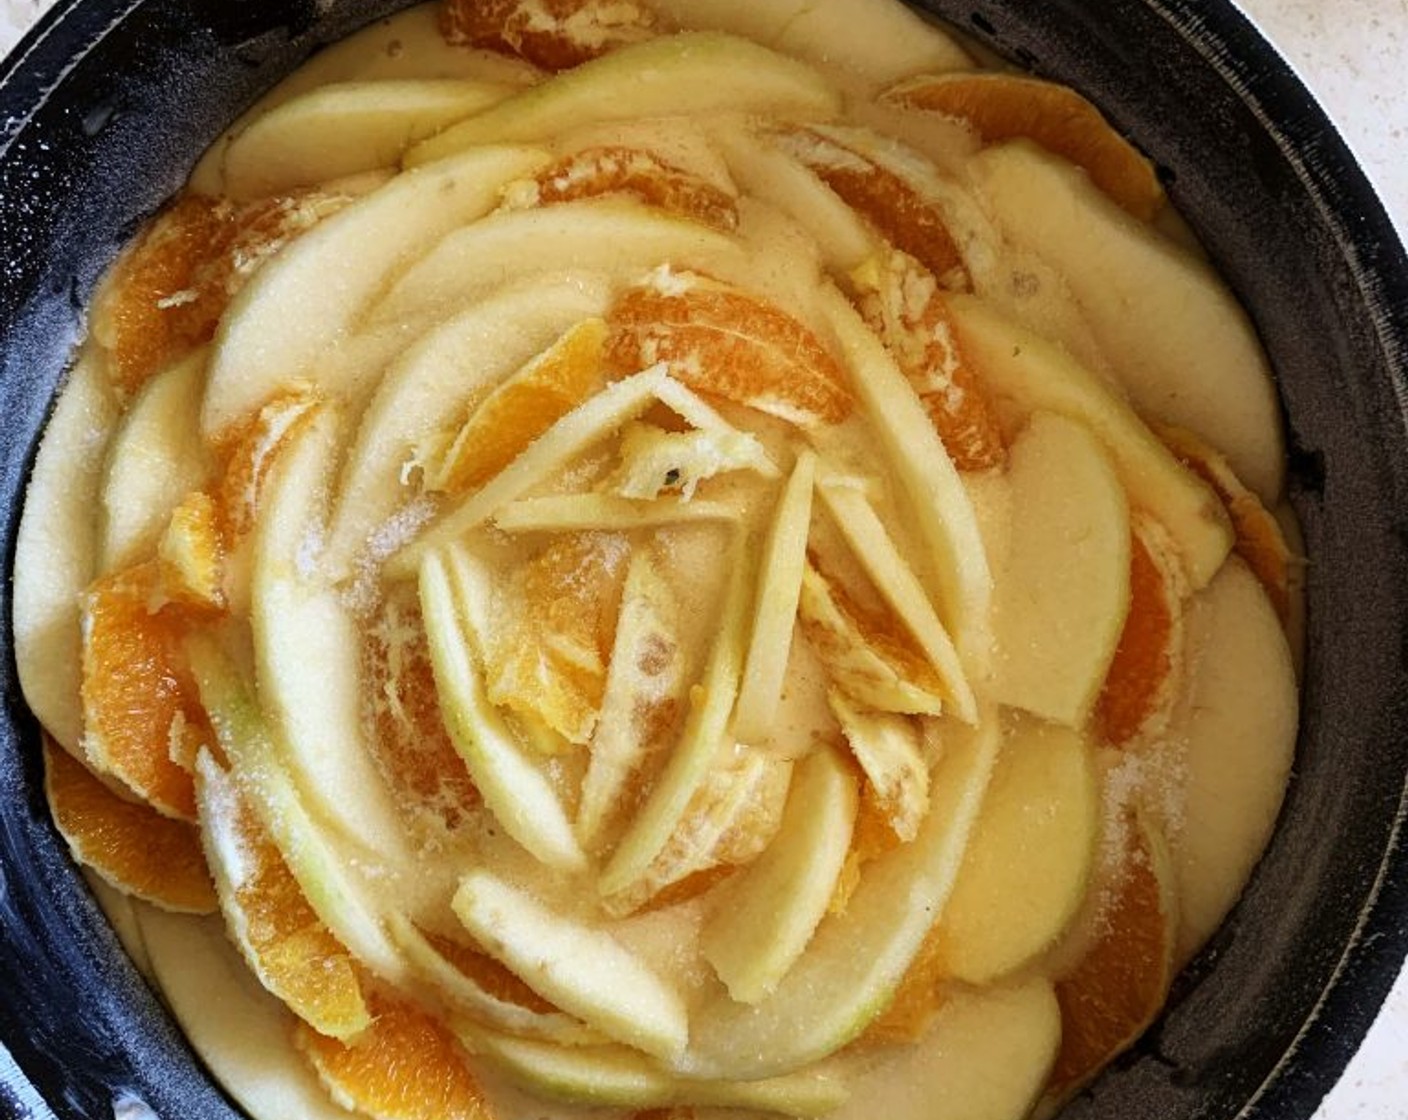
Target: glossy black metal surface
pixel 109 102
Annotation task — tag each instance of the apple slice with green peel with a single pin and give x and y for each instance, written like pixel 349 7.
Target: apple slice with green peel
pixel 344 128
pixel 453 365
pixel 240 1031
pixel 986 1056
pixel 1177 339
pixel 578 967
pixel 590 421
pixel 155 459
pixel 260 773
pixel 705 731
pixel 56 554
pixel 468 997
pixel 769 914
pixel 615 236
pixel 676 75
pixel 307 650
pixel 614 1076
pixel 573 513
pixel 855 961
pixel 878 554
pixel 302 303
pixel 1064 593
pixel 889 749
pixel 515 789
pixel 783 561
pixel 1029 862
pixel 957 575
pixel 1238 717
pixel 1025 373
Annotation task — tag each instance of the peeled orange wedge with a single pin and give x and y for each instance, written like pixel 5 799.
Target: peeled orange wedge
pixel 552 34
pixel 641 175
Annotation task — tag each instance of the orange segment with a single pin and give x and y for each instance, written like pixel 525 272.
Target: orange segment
pixel 168 292
pixel 405 1066
pixel 136 689
pixel 252 452
pixel 1260 541
pixel 131 846
pixel 411 746
pixel 1002 107
pixel 643 176
pixel 549 657
pixel 190 555
pixel 888 188
pixel 1119 985
pixel 294 955
pixel 493 977
pixel 723 341
pixel 552 34
pixel 522 408
pixel 903 304
pixel 1142 679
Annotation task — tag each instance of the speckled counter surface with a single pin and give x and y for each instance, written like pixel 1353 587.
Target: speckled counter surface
pixel 1354 55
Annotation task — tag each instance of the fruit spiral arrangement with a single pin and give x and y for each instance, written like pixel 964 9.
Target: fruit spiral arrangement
pixel 684 557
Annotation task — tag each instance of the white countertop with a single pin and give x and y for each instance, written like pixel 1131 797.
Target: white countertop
pixel 1354 55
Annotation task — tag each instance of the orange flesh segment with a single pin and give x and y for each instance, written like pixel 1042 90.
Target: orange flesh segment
pixel 405 1066
pixel 522 408
pixel 489 974
pixel 732 345
pixel 134 687
pixel 1002 107
pixel 552 34
pixel 252 450
pixel 643 176
pixel 906 309
pixel 168 293
pixel 190 555
pixel 130 845
pixel 1139 686
pixel 1120 984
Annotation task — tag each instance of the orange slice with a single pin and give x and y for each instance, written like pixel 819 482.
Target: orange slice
pixel 1002 107
pixel 166 295
pixel 891 186
pixel 903 304
pixel 293 954
pixel 1120 984
pixel 405 1066
pixel 252 451
pixel 641 175
pixel 410 743
pixel 190 554
pixel 1260 541
pixel 129 845
pixel 496 979
pixel 549 661
pixel 525 406
pixel 722 341
pixel 136 689
pixel 552 34
pixel 1142 680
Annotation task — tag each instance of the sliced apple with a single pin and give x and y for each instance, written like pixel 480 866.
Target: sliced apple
pixel 1175 335
pixel 1025 373
pixel 766 918
pixel 957 575
pixel 1238 717
pixel 653 460
pixel 854 963
pixel 889 749
pixel 436 379
pixel 675 75
pixel 600 1076
pixel 577 967
pixel 1027 866
pixel 985 1057
pixel 56 554
pixel 307 650
pixel 783 561
pixel 1064 590
pixel 570 513
pixel 156 457
pixel 344 128
pixel 514 788
pixel 301 303
pixel 618 237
